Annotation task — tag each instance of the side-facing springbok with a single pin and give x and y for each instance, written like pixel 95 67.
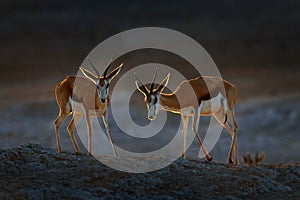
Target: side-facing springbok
pixel 92 92
pixel 219 100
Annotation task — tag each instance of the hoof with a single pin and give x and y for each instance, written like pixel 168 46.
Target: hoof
pixel 208 158
pixel 230 161
pixel 183 156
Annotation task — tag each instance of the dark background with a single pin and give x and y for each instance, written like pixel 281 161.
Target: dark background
pixel 46 39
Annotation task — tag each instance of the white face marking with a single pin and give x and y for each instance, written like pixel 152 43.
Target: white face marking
pixel 153 107
pixel 102 90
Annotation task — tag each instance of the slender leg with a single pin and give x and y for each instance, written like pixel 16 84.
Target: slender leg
pixel 89 124
pixel 235 130
pixel 236 162
pixel 185 121
pixel 220 119
pixel 108 132
pixel 71 128
pixel 65 109
pixel 220 116
pixel 61 117
pixel 195 122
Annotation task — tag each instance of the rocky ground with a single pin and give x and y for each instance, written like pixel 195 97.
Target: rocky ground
pixel 31 171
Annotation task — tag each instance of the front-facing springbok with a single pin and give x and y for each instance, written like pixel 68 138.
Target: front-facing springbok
pixel 214 96
pixel 91 92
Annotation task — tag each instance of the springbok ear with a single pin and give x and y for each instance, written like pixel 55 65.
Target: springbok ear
pixel 163 84
pixel 115 72
pixel 142 88
pixel 88 74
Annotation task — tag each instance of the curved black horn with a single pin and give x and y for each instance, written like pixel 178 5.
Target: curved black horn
pixel 108 65
pixel 154 77
pixel 93 66
pixel 143 85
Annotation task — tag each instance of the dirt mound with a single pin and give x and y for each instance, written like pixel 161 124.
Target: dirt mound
pixel 31 171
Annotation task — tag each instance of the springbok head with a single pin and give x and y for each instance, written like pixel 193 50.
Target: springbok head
pixel 152 96
pixel 101 81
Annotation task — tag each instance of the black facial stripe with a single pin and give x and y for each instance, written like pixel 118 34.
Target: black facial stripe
pixel 155 100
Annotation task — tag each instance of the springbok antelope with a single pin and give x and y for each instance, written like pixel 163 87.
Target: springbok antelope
pixel 219 100
pixel 92 92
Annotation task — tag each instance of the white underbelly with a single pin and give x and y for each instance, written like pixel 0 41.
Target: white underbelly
pixel 78 107
pixel 207 107
pixel 213 105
